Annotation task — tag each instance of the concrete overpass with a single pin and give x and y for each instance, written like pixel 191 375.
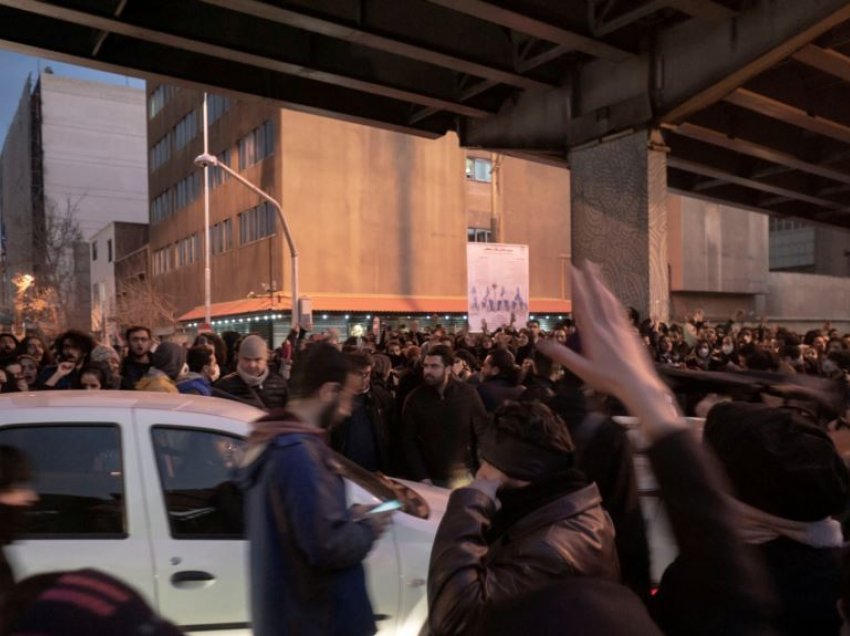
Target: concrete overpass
pixel 741 101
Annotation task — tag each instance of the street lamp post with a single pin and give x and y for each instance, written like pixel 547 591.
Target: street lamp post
pixel 208 160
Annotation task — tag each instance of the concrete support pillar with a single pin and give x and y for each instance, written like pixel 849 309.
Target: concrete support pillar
pixel 619 217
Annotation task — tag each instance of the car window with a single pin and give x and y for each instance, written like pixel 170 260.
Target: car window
pixel 78 474
pixel 196 469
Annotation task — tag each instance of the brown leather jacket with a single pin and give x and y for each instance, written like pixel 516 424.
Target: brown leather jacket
pixel 569 536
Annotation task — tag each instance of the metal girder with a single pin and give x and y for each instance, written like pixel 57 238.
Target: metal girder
pixel 536 28
pixel 629 17
pixel 825 60
pixel 701 64
pixel 728 177
pixel 230 78
pixel 704 9
pixel 347 33
pixel 790 114
pixel 523 66
pixel 690 67
pixel 759 151
pixel 83 18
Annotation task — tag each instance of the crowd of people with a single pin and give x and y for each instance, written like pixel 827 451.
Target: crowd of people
pixel 543 529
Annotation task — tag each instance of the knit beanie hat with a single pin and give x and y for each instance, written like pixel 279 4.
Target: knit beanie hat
pixel 777 462
pixel 169 358
pixel 103 353
pixel 82 602
pixel 526 441
pixel 253 347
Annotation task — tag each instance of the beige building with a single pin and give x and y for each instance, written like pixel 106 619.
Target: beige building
pixel 380 219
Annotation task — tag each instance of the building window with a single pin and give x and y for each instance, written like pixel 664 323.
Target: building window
pixel 161 95
pixel 478 235
pixel 217 105
pixel 256 145
pixel 94 250
pixel 217 175
pixel 478 169
pixel 186 130
pixel 221 237
pixel 109 250
pixel 256 223
pixel 792 245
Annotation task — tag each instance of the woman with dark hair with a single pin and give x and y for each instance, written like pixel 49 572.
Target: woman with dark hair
pixel 36 347
pixel 16 493
pixel 213 340
pixel 95 377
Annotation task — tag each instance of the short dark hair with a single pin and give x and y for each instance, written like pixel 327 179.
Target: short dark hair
pixel 198 357
pixel 360 360
pixel 534 423
pixel 82 340
pixel 98 369
pixel 444 352
pixel 320 363
pixel 503 360
pixel 135 328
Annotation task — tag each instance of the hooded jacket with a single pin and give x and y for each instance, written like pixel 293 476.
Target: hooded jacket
pixel 306 551
pixel 472 569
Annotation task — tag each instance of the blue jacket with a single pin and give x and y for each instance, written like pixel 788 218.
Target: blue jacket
pixel 306 552
pixel 194 384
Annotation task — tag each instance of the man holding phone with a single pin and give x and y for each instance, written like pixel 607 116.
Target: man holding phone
pixel 306 544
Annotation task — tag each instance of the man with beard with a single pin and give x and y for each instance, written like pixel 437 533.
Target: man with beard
pixel 138 360
pixel 73 348
pixel 8 348
pixel 253 382
pixel 306 544
pixel 438 423
pixel 365 436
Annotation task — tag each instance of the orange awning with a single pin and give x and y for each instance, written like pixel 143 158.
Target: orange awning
pixel 365 304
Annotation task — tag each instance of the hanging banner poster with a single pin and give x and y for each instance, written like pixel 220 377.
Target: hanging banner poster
pixel 497 285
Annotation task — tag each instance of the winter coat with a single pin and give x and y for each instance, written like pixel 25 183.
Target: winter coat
pixel 438 431
pixel 132 372
pixel 194 384
pixel 305 551
pixel 571 535
pixel 495 391
pixel 157 382
pixel 271 394
pixel 377 407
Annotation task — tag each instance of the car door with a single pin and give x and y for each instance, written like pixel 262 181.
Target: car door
pixel 90 512
pixel 196 520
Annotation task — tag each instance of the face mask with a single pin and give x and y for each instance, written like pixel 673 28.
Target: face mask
pixel 728 349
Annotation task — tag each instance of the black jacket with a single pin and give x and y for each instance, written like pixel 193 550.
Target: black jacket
pixel 472 570
pixel 438 432
pixel 497 390
pixel 378 407
pixel 132 372
pixel 271 394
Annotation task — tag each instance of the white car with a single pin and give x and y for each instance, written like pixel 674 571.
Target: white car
pixel 139 485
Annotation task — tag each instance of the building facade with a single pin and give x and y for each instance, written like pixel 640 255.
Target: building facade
pixel 380 219
pixel 73 161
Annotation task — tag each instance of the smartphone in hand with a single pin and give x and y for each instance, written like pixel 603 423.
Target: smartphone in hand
pixel 386 506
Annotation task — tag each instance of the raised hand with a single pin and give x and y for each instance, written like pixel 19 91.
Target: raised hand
pixel 614 360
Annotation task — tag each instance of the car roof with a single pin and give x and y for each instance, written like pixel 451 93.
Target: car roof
pixel 200 404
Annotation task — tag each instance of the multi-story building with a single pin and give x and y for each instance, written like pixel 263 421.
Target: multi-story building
pixel 108 247
pixel 380 219
pixel 72 162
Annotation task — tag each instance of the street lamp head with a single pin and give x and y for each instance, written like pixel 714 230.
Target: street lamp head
pixel 206 159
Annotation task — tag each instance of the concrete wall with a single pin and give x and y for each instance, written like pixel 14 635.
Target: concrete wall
pixel 534 209
pixel 805 301
pixel 374 212
pixel 16 201
pixel 832 251
pixel 102 277
pixel 716 248
pixel 95 151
